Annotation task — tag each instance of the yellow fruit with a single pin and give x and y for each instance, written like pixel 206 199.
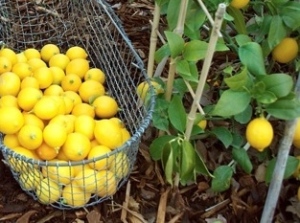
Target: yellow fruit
pixel 31 119
pixel 74 196
pixel 59 60
pixel 54 90
pixel 95 153
pixel 95 74
pixel 94 143
pixel 5 65
pixel 11 140
pixel 76 99
pixel 54 135
pixel 83 109
pixel 90 89
pixel 76 147
pixel 75 52
pixel 106 184
pixel 296 138
pixel 36 63
pixel 120 165
pixel 46 108
pixel 30 137
pixel 48 51
pixel 105 106
pixel 108 133
pixel 21 57
pixel 59 171
pixel 10 84
pixel 79 168
pixel 32 53
pixel 238 4
pixel 28 97
pixel 259 133
pixel 58 74
pixel 202 124
pixel 22 69
pixel 46 152
pixel 286 50
pixel 60 104
pixel 44 77
pixel 30 82
pixel 48 191
pixel 85 124
pixel 143 89
pixel 118 121
pixel 11 120
pixel 86 180
pixel 66 121
pixel 19 164
pixel 71 82
pixel 125 135
pixel 78 66
pixel 30 179
pixel 68 104
pixel 9 101
pixel 62 156
pixel 9 54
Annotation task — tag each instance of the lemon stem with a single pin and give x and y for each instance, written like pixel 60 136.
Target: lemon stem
pixel 206 65
pixel 278 173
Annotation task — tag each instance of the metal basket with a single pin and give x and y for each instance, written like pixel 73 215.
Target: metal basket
pixel 93 25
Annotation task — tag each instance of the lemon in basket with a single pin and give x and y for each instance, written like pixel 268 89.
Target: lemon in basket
pixel 48 191
pixel 98 151
pixel 72 195
pixel 11 120
pixel 76 52
pixel 48 51
pixel 86 180
pixel 30 179
pixel 10 84
pixel 120 165
pixel 61 172
pixel 106 184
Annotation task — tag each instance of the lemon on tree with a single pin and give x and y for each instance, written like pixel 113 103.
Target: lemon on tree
pixel 30 137
pixel 11 120
pixel 28 97
pixel 120 165
pixel 48 191
pixel 48 51
pixel 95 153
pixel 286 50
pixel 238 4
pixel 5 65
pixel 105 106
pixel 54 135
pixel 30 179
pixel 74 196
pixel 106 184
pixel 259 133
pixel 10 84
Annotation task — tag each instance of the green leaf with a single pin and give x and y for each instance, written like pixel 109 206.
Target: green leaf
pixel 161 2
pixel 241 39
pixel 188 161
pixel 245 116
pixel 172 13
pixel 200 166
pixel 266 97
pixel 279 84
pixel 239 81
pixel 168 162
pixel 224 135
pixel 176 43
pixel 160 115
pixel 251 56
pixel 290 14
pixel 194 21
pixel 195 50
pixel 231 103
pixel 277 31
pixel 239 20
pixel 157 146
pixel 221 47
pixel 162 52
pixel 284 109
pixel 177 114
pixel 222 178
pixel 186 70
pixel 242 158
pixel 291 166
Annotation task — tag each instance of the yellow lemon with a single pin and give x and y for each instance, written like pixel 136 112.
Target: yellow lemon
pixel 11 120
pixel 105 106
pixel 48 191
pixel 83 109
pixel 58 74
pixel 22 69
pixel 30 137
pixel 44 77
pixel 36 63
pixel 74 196
pixel 9 54
pixel 143 89
pixel 85 124
pixel 296 138
pixel 28 97
pixel 95 153
pixel 78 66
pixel 30 179
pixel 59 60
pixel 48 51
pixel 5 65
pixel 30 82
pixel 10 84
pixel 21 57
pixel 71 82
pixel 90 89
pixel 46 152
pixel 32 53
pixel 120 165
pixel 11 140
pixel 76 99
pixel 32 119
pixel 54 135
pixel 286 50
pixel 106 184
pixel 238 4
pixel 95 74
pixel 86 180
pixel 125 135
pixel 54 90
pixel 8 101
pixel 65 121
pixel 46 108
pixel 76 52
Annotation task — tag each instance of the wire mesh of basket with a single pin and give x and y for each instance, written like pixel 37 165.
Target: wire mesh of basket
pixel 92 25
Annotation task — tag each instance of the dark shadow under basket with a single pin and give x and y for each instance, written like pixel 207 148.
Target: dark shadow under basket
pixel 93 25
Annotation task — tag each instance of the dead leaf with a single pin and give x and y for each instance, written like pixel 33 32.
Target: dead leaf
pixel 133 205
pixel 10 216
pixel 26 217
pixel 49 216
pixel 260 173
pixel 94 217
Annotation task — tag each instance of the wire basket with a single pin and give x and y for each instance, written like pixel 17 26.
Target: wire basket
pixel 93 25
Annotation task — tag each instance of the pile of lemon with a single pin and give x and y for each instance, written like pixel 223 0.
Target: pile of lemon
pixel 54 108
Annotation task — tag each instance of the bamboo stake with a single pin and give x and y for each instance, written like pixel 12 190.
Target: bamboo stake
pixel 153 40
pixel 206 65
pixel 282 156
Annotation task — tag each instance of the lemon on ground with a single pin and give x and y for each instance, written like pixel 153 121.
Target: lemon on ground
pixel 238 4
pixel 28 97
pixel 9 101
pixel 59 171
pixel 76 146
pixel 32 119
pixel 57 74
pixel 30 82
pixel 44 77
pixel 74 96
pixel 85 124
pixel 10 84
pixel 46 152
pixel 32 53
pixel 54 135
pixel 5 65
pixel 48 191
pixel 108 133
pixel 71 82
pixel 120 165
pixel 66 121
pixel 76 52
pixel 286 50
pixel 74 196
pixel 36 63
pixel 19 164
pixel 95 153
pixel 22 69
pixel 105 106
pixel 21 57
pixel 95 74
pixel 143 89
pixel 30 179
pixel 83 109
pixel 30 137
pixel 11 120
pixel 54 90
pixel 259 133
pixel 59 60
pixel 86 180
pixel 296 137
pixel 46 108
pixel 48 51
pixel 106 184
pixel 11 140
pixel 90 89
pixel 78 66
pixel 9 54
